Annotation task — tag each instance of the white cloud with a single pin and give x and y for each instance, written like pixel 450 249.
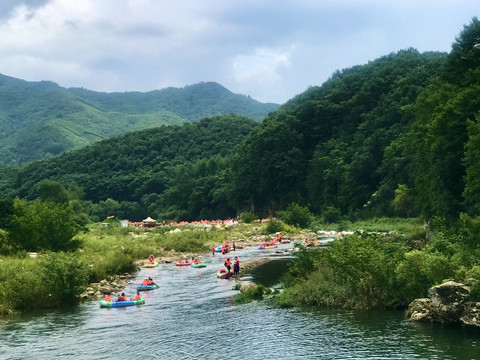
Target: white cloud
pixel 123 45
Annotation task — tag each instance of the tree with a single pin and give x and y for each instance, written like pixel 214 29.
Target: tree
pixel 44 226
pixel 403 202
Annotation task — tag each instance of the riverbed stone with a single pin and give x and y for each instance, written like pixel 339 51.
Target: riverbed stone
pixel 471 314
pixel 105 289
pixel 420 310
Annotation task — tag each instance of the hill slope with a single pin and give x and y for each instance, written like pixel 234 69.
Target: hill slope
pixel 128 166
pixel 41 119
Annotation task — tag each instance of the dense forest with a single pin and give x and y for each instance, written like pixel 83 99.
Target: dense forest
pixel 41 119
pixel 397 136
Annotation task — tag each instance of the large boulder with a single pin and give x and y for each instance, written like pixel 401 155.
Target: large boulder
pixel 446 303
pixel 449 298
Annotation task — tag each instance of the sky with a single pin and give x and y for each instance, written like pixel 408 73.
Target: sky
pixel 270 50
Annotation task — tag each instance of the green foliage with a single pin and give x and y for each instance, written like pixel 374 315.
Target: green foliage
pixel 44 226
pixel 49 190
pixel 248 217
pixel 274 226
pixel 331 214
pixel 296 215
pixel 421 270
pixel 252 294
pixel 51 280
pixel 403 202
pixel 356 272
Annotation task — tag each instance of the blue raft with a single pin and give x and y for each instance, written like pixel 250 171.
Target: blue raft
pixel 146 287
pixel 115 304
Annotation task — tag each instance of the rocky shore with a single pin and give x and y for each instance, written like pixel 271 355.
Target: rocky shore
pixel 447 303
pixel 114 284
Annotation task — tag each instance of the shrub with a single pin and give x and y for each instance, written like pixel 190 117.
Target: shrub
pixel 273 226
pixel 247 217
pixel 296 215
pixel 253 293
pixel 331 214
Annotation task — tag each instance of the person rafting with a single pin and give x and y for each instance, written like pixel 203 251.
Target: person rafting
pixel 138 296
pixel 151 258
pixel 236 266
pixel 228 264
pixel 122 297
pixel 108 298
pixel 150 281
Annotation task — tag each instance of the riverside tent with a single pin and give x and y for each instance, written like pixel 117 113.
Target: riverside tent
pixel 149 222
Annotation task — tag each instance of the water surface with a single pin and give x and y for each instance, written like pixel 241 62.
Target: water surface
pixel 192 315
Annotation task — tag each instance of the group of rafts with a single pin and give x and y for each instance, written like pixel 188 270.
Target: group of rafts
pixel 148 284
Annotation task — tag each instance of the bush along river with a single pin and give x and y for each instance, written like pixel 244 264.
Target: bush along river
pixel 192 315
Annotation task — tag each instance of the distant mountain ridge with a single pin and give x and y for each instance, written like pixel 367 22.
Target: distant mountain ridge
pixel 42 119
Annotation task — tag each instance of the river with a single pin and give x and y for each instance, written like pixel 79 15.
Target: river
pixel 192 315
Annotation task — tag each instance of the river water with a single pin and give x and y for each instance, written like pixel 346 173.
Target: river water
pixel 192 315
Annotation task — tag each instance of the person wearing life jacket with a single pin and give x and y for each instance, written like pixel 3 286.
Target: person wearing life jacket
pixel 145 282
pixel 138 296
pixel 150 281
pixel 236 266
pixel 122 297
pixel 108 298
pixel 213 249
pixel 228 264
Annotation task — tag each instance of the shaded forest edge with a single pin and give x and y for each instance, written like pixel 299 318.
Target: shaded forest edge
pixel 397 137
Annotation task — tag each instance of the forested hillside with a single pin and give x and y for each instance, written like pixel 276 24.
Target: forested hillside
pixel 41 119
pixel 397 136
pixel 138 164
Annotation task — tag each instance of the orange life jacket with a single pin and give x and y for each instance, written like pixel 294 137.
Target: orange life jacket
pixel 145 282
pixel 138 296
pixel 228 263
pixel 108 298
pixel 237 262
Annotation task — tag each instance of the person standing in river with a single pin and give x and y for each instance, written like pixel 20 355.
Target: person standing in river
pixel 236 266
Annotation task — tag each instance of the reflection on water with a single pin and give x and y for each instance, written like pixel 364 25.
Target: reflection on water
pixel 192 315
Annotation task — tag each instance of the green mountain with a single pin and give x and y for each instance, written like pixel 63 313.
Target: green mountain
pixel 41 119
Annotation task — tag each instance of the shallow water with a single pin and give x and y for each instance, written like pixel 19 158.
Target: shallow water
pixel 192 315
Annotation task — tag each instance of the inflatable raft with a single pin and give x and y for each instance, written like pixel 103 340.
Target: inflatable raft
pixel 147 265
pixel 218 249
pixel 183 264
pixel 147 287
pixel 271 246
pixel 198 265
pixel 223 274
pixel 115 304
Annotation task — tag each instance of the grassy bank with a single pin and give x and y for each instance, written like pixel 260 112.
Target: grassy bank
pixel 375 270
